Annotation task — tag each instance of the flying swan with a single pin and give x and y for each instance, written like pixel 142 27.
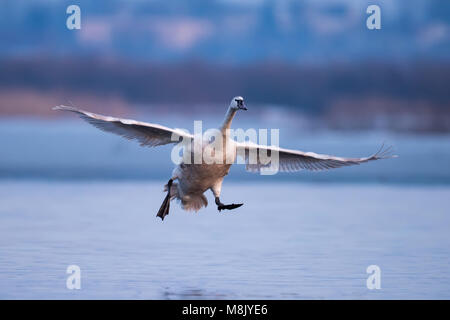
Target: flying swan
pixel 194 179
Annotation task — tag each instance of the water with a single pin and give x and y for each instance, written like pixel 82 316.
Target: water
pixel 72 195
pixel 74 150
pixel 288 241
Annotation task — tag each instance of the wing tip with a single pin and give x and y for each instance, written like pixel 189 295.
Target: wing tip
pixel 65 108
pixel 385 153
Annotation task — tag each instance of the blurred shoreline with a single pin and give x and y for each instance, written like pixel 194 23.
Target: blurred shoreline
pixel 361 96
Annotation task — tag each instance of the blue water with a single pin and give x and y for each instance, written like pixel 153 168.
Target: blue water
pixel 77 151
pixel 71 195
pixel 288 241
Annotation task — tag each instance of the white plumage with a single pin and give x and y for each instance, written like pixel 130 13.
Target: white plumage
pixel 194 179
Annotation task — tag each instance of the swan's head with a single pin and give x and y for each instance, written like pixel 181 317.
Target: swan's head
pixel 237 103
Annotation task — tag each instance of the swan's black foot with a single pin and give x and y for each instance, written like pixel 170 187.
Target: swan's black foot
pixel 221 206
pixel 229 206
pixel 164 210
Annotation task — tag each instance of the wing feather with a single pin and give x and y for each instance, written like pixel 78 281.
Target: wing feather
pixel 296 160
pixel 147 134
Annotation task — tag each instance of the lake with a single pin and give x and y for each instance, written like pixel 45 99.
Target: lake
pixel 288 241
pixel 71 195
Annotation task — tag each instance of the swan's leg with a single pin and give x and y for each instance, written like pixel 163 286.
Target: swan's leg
pixel 164 210
pixel 216 189
pixel 221 206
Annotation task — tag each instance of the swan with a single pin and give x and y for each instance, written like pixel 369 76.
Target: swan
pixel 193 180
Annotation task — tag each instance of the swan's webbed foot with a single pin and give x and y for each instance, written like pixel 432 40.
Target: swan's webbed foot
pixel 164 210
pixel 221 206
pixel 229 206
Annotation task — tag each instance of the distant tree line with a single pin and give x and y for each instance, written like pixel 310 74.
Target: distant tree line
pixel 311 89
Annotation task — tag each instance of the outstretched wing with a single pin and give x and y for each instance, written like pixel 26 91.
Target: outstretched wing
pixel 148 134
pixel 295 160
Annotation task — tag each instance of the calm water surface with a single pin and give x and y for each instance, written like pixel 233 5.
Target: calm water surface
pixel 288 241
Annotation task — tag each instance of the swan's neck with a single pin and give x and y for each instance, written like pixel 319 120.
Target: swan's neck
pixel 228 119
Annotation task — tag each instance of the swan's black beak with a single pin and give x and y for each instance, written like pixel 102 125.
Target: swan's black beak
pixel 243 107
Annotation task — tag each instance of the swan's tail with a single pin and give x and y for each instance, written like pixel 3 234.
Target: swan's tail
pixel 191 202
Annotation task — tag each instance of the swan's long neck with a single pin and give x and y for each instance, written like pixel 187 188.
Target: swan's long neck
pixel 228 119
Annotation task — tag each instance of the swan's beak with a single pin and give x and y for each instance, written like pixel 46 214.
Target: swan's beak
pixel 243 107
